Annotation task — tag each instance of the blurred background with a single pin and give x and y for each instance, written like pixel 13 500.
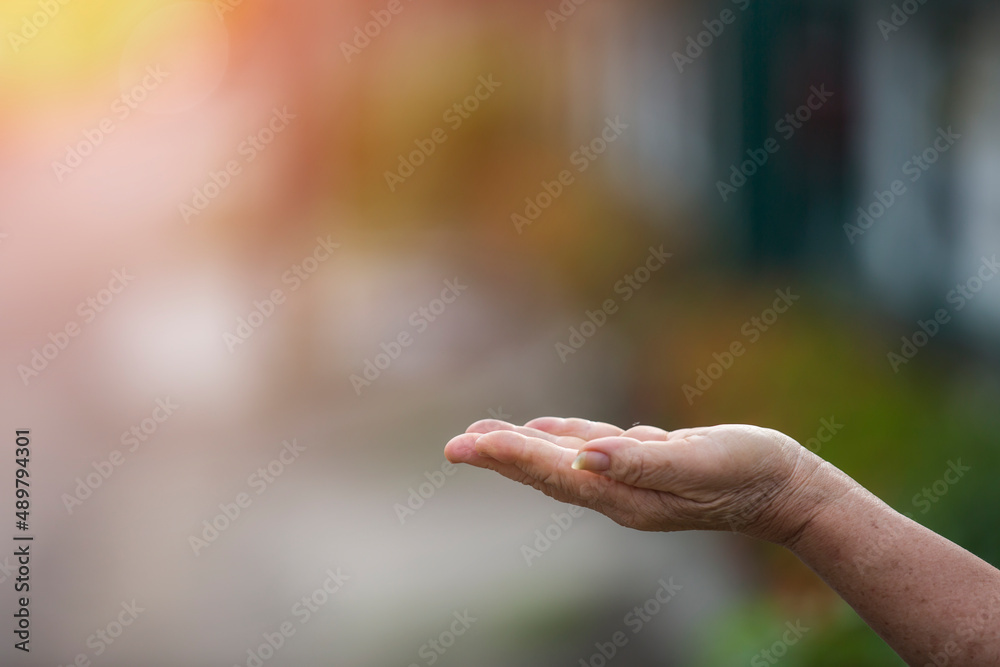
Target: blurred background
pixel 361 226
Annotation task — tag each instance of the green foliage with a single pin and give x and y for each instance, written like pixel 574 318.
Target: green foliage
pixel 842 639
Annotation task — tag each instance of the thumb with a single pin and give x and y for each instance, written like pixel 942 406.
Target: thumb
pixel 648 465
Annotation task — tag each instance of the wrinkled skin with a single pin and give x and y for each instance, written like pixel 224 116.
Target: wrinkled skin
pixel 737 478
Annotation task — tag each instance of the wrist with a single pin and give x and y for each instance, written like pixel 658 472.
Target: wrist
pixel 814 487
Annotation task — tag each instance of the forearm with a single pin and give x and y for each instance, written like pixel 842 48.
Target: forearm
pixel 928 598
pixel 932 601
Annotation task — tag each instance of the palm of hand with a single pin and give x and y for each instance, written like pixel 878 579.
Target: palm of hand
pixel 714 478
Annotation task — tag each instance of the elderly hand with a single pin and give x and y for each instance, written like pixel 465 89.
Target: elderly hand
pixel 925 596
pixel 740 478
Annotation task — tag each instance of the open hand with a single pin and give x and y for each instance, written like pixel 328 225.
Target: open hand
pixel 739 478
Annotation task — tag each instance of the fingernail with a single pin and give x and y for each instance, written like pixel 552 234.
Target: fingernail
pixel 592 461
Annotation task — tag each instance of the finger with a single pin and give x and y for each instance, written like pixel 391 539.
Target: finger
pixel 647 465
pixel 646 434
pixel 461 449
pixel 574 427
pixel 551 466
pixel 490 425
